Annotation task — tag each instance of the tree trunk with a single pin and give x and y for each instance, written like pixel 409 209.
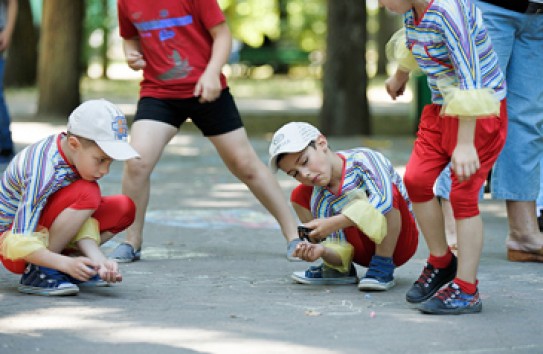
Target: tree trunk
pixel 345 104
pixel 59 60
pixel 22 59
pixel 105 44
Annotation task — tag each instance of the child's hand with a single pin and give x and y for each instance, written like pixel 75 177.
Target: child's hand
pixel 308 251
pixel 464 161
pixel 109 271
pixel 208 87
pixel 80 268
pixel 321 228
pixel 395 85
pixel 135 60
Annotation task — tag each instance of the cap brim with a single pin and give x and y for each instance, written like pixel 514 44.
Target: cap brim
pixel 272 163
pixel 118 150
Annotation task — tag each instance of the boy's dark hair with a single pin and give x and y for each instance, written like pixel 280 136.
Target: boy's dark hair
pixel 280 156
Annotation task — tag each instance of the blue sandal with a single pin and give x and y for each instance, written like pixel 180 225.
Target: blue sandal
pixel 125 253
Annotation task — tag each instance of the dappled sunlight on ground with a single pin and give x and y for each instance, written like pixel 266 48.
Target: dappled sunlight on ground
pixel 89 324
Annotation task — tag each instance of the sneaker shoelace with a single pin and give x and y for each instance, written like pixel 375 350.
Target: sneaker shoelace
pixel 428 274
pixel 448 292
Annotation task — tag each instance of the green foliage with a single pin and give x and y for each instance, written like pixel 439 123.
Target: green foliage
pixel 296 23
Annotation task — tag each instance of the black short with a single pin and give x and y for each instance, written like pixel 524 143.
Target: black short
pixel 212 118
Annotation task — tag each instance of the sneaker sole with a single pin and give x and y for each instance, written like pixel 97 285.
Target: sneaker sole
pixel 72 290
pixel 474 309
pixel 299 277
pixel 97 284
pixel 375 285
pixel 126 260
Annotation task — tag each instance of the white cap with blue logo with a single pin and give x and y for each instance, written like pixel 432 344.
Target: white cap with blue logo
pixel 291 137
pixel 105 124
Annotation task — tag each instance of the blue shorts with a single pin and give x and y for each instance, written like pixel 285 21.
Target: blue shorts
pixel 517 38
pixel 212 118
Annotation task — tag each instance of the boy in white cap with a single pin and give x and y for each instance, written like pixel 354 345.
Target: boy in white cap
pixel 353 201
pixel 53 217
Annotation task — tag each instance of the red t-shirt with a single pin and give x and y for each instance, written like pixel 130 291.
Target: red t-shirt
pixel 175 42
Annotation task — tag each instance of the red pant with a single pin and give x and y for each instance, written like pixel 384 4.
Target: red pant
pixel 435 143
pixel 364 248
pixel 114 213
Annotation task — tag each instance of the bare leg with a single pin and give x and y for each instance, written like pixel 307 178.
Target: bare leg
pixel 430 220
pixel 524 231
pixel 394 226
pixel 470 245
pixel 450 223
pixel 65 227
pixel 149 139
pixel 241 159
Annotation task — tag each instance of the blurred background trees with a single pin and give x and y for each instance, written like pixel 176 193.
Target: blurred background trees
pixel 340 44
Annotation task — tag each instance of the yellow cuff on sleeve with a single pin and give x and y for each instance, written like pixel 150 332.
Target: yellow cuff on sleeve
pixel 90 229
pixel 368 219
pixel 397 51
pixel 345 251
pixel 17 246
pixel 470 104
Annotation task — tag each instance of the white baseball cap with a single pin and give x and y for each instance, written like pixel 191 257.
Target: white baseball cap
pixel 291 137
pixel 102 122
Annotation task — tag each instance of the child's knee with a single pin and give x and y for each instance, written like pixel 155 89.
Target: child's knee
pixel 126 213
pixel 89 195
pixel 419 188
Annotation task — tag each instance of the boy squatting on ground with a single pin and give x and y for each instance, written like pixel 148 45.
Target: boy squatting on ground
pixel 466 125
pixel 355 200
pixel 52 214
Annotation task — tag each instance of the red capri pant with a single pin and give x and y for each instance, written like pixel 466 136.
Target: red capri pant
pixel 435 143
pixel 364 248
pixel 114 213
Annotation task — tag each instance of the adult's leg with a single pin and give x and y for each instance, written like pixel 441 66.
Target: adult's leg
pixel 6 143
pixel 515 176
pixel 241 159
pixel 149 139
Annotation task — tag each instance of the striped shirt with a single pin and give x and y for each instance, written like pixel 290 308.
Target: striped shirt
pixel 31 178
pixel 364 170
pixel 451 42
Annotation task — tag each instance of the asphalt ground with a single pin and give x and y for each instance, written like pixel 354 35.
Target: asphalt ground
pixel 214 279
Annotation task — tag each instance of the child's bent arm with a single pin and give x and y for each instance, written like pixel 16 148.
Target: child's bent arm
pixel 81 268
pixel 89 248
pixel 395 85
pixel 132 52
pixel 208 87
pixel 322 227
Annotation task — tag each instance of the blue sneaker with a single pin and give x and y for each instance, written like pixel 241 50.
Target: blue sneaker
pixel 450 300
pixel 125 253
pixel 324 275
pixel 46 282
pixel 379 276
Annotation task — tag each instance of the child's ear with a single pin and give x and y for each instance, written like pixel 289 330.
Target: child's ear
pixel 74 143
pixel 321 142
